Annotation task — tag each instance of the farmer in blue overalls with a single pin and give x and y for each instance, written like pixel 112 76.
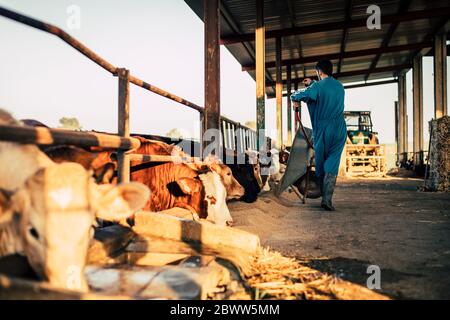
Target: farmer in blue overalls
pixel 325 101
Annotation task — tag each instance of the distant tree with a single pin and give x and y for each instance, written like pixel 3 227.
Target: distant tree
pixel 250 124
pixel 177 133
pixel 69 123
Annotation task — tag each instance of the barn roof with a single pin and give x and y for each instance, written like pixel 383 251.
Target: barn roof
pixel 336 29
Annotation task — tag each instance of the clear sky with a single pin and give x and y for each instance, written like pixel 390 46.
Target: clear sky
pixel 161 42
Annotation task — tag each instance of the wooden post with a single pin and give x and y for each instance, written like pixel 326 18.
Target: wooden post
pixel 289 107
pixel 123 170
pixel 402 138
pixel 260 74
pixel 397 131
pixel 211 119
pixel 279 93
pixel 440 75
pixel 417 111
pixel 300 111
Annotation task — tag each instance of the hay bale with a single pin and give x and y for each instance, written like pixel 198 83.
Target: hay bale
pixel 439 155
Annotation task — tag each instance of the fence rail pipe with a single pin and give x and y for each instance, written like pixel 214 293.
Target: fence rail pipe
pixel 45 136
pixel 142 158
pixel 74 43
pixel 47 27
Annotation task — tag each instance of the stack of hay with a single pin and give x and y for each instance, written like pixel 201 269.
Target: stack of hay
pixel 439 155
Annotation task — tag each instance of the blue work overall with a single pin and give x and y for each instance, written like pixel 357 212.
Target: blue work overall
pixel 325 101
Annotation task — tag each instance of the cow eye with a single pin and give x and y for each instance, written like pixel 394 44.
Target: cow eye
pixel 228 174
pixel 34 233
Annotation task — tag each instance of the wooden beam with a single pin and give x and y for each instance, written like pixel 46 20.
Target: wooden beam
pixel 298 42
pixel 359 72
pixel 418 111
pixel 403 7
pixel 330 26
pixel 440 76
pixel 438 26
pixel 227 16
pixel 403 124
pixel 296 124
pixel 208 234
pixel 431 53
pixel 123 159
pixel 352 86
pixel 211 119
pixel 348 54
pixel 397 130
pixel 368 84
pixel 260 74
pixel 279 94
pixel 348 18
pixel 46 136
pixel 289 107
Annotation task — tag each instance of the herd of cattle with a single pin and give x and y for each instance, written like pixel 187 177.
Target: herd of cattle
pixel 52 197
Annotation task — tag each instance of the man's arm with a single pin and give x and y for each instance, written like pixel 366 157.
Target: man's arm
pixel 307 94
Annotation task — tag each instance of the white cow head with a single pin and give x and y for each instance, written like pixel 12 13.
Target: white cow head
pixel 208 197
pixel 52 214
pixel 215 197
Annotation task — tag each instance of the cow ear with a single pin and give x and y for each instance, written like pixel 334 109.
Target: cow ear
pixel 115 203
pixel 105 174
pixel 214 166
pixel 189 185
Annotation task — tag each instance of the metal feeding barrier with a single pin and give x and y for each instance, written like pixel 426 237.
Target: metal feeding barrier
pixel 234 135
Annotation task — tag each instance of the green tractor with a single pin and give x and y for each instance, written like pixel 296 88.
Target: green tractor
pixel 359 126
pixel 364 156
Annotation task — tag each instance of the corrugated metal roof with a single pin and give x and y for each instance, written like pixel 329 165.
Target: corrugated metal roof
pixel 238 17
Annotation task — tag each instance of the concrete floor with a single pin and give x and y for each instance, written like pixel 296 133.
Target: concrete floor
pixel 385 222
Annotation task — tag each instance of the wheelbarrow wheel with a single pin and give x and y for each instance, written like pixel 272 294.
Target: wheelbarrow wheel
pixel 313 185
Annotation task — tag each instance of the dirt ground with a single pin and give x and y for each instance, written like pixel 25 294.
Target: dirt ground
pixel 385 222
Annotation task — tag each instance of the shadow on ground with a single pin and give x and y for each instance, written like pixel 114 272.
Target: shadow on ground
pixel 355 271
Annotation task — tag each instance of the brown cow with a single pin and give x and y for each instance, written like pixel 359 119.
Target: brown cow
pixel 178 185
pixel 100 162
pixel 194 186
pixel 153 147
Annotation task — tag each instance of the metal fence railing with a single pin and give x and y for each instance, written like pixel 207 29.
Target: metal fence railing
pixel 235 136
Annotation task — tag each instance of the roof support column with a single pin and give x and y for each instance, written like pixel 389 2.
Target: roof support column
pixel 289 107
pixel 279 93
pixel 211 116
pixel 418 111
pixel 397 130
pixel 440 76
pixel 123 159
pixel 296 124
pixel 402 120
pixel 260 58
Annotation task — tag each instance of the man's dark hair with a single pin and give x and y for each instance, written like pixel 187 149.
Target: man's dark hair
pixel 325 66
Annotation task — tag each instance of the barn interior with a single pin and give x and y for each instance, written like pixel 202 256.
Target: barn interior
pixel 279 46
pixel 398 222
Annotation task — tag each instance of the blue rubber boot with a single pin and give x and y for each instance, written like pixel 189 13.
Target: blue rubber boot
pixel 329 183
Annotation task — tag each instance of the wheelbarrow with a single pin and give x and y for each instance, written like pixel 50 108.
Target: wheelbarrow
pixel 299 176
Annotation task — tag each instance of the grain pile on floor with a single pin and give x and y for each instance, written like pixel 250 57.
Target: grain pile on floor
pixel 275 276
pixel 439 176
